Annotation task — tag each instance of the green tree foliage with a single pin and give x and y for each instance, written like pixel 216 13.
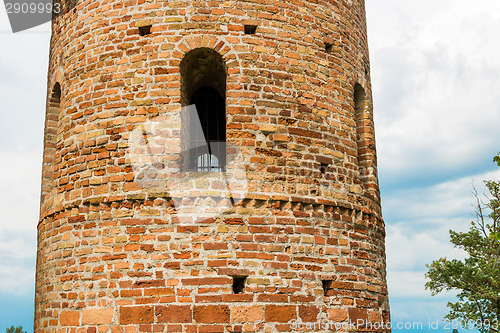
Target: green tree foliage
pixel 477 278
pixel 496 159
pixel 13 329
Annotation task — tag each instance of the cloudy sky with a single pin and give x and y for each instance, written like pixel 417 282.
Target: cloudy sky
pixel 436 77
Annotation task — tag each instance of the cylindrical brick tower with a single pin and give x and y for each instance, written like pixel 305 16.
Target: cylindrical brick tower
pixel 210 166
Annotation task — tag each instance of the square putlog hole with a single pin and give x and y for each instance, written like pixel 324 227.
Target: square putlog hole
pixel 328 47
pixel 327 287
pixel 239 284
pixel 250 29
pixel 145 30
pixel 323 168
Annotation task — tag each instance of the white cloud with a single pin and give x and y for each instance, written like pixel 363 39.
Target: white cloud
pixel 420 218
pixel 417 233
pixel 436 204
pixel 436 85
pixel 19 204
pixel 17 262
pixel 409 251
pixel 23 78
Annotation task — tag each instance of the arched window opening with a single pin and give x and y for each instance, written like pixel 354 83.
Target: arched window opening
pixel 50 133
pixel 365 139
pixel 55 97
pixel 362 126
pixel 203 134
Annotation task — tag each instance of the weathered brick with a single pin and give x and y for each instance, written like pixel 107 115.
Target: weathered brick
pixel 211 314
pixel 69 318
pixel 247 314
pixel 337 314
pixel 308 313
pixel 173 314
pixel 356 314
pixel 280 313
pixel 136 315
pixel 97 316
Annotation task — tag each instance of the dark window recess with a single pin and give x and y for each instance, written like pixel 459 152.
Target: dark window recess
pixel 327 287
pixel 323 167
pixel 239 284
pixel 203 132
pixel 362 127
pixel 55 97
pixel 210 154
pixel 328 47
pixel 250 29
pixel 145 30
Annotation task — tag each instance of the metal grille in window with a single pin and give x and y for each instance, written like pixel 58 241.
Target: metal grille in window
pixel 208 162
pixel 210 154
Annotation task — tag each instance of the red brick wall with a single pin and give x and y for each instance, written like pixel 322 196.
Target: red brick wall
pixel 113 256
